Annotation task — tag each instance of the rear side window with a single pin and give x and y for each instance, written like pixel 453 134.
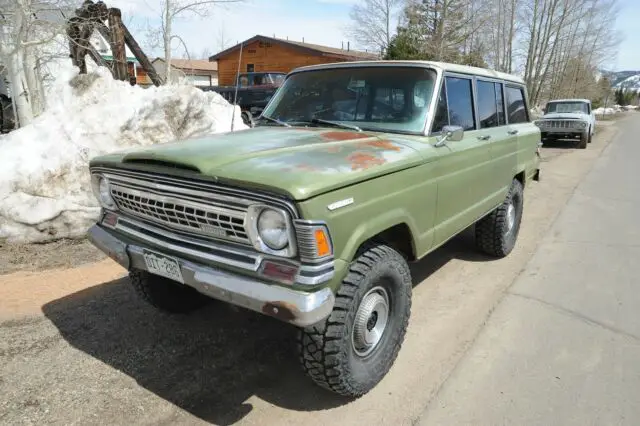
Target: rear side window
pixel 516 108
pixel 460 102
pixel 487 105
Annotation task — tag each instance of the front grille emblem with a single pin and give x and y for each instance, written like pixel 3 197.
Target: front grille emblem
pixel 213 230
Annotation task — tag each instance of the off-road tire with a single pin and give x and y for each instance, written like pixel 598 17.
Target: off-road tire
pixel 247 118
pixel 590 137
pixel 582 144
pixel 165 294
pixel 327 351
pixel 492 231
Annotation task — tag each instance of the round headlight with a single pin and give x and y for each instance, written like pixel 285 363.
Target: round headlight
pixel 104 194
pixel 582 125
pixel 272 228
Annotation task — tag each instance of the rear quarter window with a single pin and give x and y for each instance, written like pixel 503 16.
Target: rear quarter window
pixel 516 105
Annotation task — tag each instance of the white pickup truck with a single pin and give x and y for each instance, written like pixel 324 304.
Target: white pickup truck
pixel 568 119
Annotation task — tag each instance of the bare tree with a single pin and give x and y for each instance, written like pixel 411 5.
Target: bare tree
pixel 372 23
pixel 26 26
pixel 222 40
pixel 498 32
pixel 565 42
pixel 175 9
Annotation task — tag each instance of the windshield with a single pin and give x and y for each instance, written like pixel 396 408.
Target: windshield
pixel 278 79
pixel 393 99
pixel 570 107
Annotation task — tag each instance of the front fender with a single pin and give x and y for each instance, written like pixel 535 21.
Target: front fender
pixel 406 197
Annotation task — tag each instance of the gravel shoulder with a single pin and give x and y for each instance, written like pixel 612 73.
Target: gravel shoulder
pixel 77 346
pixel 40 257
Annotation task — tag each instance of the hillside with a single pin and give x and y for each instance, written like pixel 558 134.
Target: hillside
pixel 629 80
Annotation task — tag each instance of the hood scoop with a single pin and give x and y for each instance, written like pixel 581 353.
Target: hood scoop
pixel 161 163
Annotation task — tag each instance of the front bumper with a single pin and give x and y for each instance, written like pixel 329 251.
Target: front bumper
pixel 568 133
pixel 295 307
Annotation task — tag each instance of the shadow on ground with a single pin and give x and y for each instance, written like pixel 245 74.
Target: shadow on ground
pixel 561 143
pixel 210 362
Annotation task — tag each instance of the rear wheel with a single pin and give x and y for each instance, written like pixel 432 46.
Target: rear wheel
pixel 496 233
pixel 165 294
pixel 354 348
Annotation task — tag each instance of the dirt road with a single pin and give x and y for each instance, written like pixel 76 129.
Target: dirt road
pixel 77 347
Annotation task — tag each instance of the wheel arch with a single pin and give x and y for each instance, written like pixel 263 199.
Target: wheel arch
pixel 395 228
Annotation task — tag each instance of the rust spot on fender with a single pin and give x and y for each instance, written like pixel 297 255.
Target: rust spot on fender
pixel 343 136
pixel 382 144
pixel 363 160
pixel 282 310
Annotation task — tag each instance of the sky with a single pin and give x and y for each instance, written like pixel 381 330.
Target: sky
pixel 317 21
pixel 629 25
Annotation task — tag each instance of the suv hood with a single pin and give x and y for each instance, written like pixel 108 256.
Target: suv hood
pixel 299 162
pixel 564 115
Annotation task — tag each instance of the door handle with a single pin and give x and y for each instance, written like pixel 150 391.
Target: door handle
pixel 484 137
pixel 513 132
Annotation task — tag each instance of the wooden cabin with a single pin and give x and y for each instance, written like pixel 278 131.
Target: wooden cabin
pixel 265 54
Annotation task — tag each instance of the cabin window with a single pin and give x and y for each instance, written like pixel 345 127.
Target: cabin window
pixel 516 108
pixel 490 106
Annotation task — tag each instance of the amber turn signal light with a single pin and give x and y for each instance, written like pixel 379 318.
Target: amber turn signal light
pixel 323 248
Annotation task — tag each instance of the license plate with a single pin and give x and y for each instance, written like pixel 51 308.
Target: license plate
pixel 164 266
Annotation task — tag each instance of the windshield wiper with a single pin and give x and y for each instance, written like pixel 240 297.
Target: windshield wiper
pixel 275 120
pixel 336 124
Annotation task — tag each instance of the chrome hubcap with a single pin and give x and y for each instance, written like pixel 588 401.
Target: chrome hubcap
pixel 371 321
pixel 511 217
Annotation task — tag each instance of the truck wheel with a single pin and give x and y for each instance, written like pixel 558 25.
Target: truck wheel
pixel 354 348
pixel 247 119
pixel 590 137
pixel 496 233
pixel 166 295
pixel 583 140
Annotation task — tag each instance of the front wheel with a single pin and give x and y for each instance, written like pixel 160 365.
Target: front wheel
pixel 582 144
pixel 496 233
pixel 165 294
pixel 354 348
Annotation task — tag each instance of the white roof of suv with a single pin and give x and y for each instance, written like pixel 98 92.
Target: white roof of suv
pixel 571 100
pixel 444 66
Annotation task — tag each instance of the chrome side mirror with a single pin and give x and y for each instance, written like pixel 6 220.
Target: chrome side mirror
pixel 450 134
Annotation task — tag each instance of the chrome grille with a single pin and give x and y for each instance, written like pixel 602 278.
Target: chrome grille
pixel 562 124
pixel 196 217
pixel 192 206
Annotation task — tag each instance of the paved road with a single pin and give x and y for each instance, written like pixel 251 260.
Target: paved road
pixel 77 347
pixel 563 346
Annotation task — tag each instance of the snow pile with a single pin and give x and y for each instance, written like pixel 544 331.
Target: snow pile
pixel 536 112
pixel 605 111
pixel 45 190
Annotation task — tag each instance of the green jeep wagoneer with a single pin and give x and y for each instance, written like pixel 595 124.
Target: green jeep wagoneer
pixel 352 171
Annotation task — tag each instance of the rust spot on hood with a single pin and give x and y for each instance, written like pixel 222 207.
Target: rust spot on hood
pixel 363 160
pixel 334 149
pixel 382 144
pixel 343 136
pixel 307 167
